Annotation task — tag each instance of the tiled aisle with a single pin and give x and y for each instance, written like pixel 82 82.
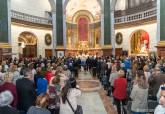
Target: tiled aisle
pixel 92 103
pixel 95 102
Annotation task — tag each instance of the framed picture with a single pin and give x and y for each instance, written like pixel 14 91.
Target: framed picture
pixel 119 38
pixel 48 39
pixel 60 54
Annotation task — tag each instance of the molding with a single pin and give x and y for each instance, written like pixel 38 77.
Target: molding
pixel 5 45
pixel 161 44
pixel 60 48
pixel 107 47
pixel 31 25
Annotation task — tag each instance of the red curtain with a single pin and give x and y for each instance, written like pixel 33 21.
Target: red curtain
pixel 83 29
pixel 145 36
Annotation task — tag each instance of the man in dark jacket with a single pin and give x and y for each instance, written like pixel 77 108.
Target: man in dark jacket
pixel 26 92
pixel 155 81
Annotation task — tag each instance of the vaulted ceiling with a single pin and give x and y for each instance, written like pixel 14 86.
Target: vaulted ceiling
pixel 74 6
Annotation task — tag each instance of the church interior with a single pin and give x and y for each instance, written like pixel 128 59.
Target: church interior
pixel 86 42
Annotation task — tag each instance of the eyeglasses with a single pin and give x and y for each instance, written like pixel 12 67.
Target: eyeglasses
pixel 163 87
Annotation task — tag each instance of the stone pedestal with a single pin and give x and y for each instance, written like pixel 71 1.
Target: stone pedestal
pixel 161 51
pixel 5 51
pixel 60 51
pixel 107 51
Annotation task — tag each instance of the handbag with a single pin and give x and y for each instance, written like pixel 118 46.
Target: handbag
pixel 79 109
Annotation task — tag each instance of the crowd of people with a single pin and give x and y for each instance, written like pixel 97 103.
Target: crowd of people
pixel 48 85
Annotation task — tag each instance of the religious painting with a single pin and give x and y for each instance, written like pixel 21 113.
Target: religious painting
pixel 60 54
pixel 140 42
pixel 83 29
pixel 48 39
pixel 119 38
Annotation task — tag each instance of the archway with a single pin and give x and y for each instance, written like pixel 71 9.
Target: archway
pixel 140 42
pixel 83 26
pixel 27 45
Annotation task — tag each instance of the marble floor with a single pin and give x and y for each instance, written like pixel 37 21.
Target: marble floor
pixel 94 102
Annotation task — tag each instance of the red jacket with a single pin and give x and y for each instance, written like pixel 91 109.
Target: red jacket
pixel 48 76
pixel 120 88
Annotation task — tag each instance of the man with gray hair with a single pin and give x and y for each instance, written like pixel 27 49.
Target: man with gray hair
pixel 155 81
pixel 6 98
pixel 26 92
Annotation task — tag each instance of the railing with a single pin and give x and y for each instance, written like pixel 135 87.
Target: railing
pixel 137 16
pixel 30 18
pixel 118 20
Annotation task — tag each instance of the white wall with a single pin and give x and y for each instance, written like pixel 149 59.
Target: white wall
pixel 120 5
pixel 33 7
pixel 40 33
pixel 127 32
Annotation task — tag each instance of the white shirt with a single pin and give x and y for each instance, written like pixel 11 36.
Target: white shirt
pixel 72 97
pixel 159 110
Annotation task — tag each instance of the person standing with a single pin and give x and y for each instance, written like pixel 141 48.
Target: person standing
pixel 120 90
pixel 6 98
pixel 160 109
pixel 139 94
pixel 8 85
pixel 26 92
pixel 41 104
pixel 69 93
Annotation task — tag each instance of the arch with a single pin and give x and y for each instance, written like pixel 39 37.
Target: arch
pixel 99 1
pixel 27 44
pixel 83 13
pixel 28 38
pixel 139 42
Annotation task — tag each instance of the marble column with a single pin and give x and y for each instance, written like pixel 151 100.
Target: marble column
pixel 64 26
pixel 102 26
pixel 107 22
pixel 113 32
pixel 161 27
pixel 54 32
pixel 5 28
pixel 59 23
pixel 5 21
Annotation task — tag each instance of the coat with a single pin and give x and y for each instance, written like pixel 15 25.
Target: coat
pixel 12 88
pixel 26 94
pixel 72 97
pixel 120 88
pixel 139 99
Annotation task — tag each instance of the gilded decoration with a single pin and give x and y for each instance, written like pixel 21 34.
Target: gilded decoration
pixel 140 42
pixel 28 38
pixel 93 32
pixel 5 45
pixel 161 43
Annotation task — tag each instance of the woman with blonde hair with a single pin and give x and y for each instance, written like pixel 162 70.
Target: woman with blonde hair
pixel 41 104
pixel 15 73
pixel 147 73
pixel 139 94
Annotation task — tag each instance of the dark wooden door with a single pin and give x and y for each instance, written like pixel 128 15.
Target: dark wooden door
pixel 30 51
pixel 48 53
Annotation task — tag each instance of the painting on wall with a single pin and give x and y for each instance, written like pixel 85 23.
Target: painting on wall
pixel 119 38
pixel 48 39
pixel 60 54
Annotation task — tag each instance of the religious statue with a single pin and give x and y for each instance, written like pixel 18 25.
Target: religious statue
pixel 144 47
